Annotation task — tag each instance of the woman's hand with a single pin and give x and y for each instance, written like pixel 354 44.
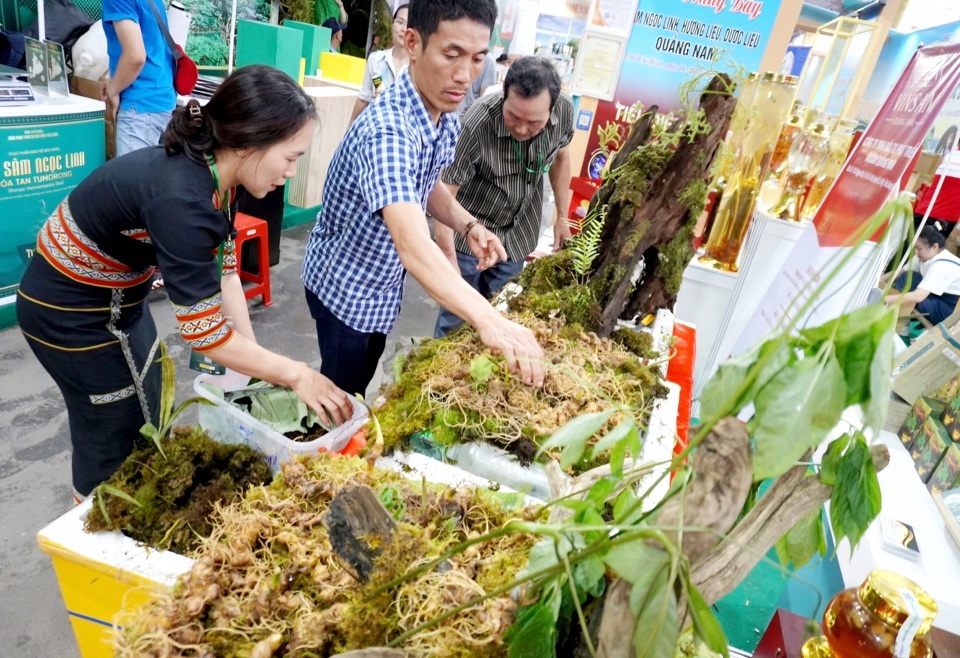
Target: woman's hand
pixel 322 395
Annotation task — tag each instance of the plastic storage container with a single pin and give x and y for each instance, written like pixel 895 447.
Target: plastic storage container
pixel 229 424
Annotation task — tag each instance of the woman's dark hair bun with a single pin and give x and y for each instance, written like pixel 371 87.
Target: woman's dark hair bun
pixel 254 107
pixel 189 132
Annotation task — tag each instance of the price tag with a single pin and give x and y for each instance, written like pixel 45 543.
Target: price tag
pixel 205 364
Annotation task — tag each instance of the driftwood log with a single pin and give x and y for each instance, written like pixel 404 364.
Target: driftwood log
pixel 643 225
pixel 355 515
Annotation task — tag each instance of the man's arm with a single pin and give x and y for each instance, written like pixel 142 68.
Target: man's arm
pixel 422 259
pixel 486 246
pixel 132 58
pixel 560 181
pixel 358 107
pixel 443 234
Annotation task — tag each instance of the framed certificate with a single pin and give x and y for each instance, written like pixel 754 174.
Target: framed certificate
pixel 598 64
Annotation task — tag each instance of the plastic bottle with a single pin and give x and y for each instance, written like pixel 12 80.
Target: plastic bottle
pixel 494 464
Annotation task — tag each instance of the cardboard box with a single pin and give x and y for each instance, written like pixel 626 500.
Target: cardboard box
pixel 932 361
pixel 91 89
pixel 923 409
pixel 929 447
pixel 947 473
pixel 950 417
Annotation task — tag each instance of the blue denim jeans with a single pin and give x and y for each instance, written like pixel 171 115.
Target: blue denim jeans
pixel 487 282
pixel 137 130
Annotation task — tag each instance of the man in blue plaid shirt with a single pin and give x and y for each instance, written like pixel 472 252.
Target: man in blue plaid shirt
pixel 382 179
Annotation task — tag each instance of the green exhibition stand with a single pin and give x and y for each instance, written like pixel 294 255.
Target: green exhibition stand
pixel 46 149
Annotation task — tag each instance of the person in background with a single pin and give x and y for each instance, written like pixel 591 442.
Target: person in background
pixel 81 303
pixel 383 66
pixel 507 143
pixel 139 94
pixel 324 9
pixel 372 227
pixel 503 64
pixel 931 281
pixel 336 33
pixel 355 34
pixel 487 77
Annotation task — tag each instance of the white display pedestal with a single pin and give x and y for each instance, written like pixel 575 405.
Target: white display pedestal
pixel 721 303
pixel 906 499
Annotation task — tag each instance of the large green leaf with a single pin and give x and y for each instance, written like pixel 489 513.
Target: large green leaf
pixel 855 501
pixel 657 627
pixel 618 433
pixel 802 541
pixel 533 632
pixel 719 397
pixel 875 410
pixel 705 625
pixel 856 338
pixel 795 410
pixel 638 564
pixel 168 385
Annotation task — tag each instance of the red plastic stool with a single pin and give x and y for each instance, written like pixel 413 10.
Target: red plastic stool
pixel 251 228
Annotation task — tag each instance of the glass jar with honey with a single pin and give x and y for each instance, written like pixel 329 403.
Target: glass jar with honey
pixel 888 616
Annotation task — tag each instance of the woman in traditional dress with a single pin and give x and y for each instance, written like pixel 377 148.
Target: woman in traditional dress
pixel 81 303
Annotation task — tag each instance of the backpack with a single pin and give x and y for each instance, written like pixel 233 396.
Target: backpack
pixel 65 23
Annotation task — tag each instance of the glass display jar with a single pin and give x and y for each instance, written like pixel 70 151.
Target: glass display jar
pixel 785 140
pixel 840 140
pixel 888 616
pixel 764 103
pixel 806 158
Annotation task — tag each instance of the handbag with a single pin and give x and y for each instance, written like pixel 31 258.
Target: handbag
pixel 185 73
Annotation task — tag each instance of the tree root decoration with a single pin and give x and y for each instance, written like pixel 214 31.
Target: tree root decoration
pixel 793 495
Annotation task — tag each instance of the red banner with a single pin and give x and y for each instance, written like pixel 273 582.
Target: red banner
pixel 889 146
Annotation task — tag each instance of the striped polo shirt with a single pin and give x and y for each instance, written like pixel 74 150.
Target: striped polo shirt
pixel 502 190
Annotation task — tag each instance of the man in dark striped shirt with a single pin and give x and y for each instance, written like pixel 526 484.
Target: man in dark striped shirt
pixel 507 143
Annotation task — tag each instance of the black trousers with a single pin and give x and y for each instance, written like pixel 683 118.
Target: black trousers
pixel 347 356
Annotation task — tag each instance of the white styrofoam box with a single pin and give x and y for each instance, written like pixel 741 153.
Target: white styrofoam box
pixel 229 424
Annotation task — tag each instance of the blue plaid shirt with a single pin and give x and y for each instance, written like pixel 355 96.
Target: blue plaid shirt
pixel 392 153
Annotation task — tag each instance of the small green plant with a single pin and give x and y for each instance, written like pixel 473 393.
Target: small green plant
pixel 585 246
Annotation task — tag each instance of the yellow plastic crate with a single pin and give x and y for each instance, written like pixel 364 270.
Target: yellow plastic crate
pixel 342 67
pixel 103 574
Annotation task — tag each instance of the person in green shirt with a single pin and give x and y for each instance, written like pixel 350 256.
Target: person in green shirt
pixel 324 9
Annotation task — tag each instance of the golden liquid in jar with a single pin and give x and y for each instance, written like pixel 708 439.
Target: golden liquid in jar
pixel 854 631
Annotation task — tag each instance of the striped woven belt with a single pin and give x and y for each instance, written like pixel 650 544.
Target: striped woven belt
pixel 78 257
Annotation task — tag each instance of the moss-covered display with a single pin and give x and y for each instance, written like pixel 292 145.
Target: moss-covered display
pixel 458 391
pixel 166 500
pixel 267 582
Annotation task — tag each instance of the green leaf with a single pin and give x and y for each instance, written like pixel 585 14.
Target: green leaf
pixel 705 625
pixel 148 431
pixel 857 338
pixel 617 454
pixel 637 563
pixel 625 427
pixel 397 366
pixel 719 397
pixel 855 501
pixel 601 490
pixel 482 368
pixel 589 575
pixel 122 495
pixel 828 465
pixel 533 632
pixel 627 500
pixel 802 541
pixel 574 435
pixel 657 628
pixel 875 410
pixel 796 409
pixel 168 385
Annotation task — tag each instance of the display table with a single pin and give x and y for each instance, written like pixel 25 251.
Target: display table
pixel 905 498
pixel 46 149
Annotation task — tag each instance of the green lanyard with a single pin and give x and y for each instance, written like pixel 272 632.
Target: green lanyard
pixel 226 198
pixel 540 168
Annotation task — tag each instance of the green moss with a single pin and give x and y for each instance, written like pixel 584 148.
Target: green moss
pixel 637 342
pixel 176 492
pixel 675 257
